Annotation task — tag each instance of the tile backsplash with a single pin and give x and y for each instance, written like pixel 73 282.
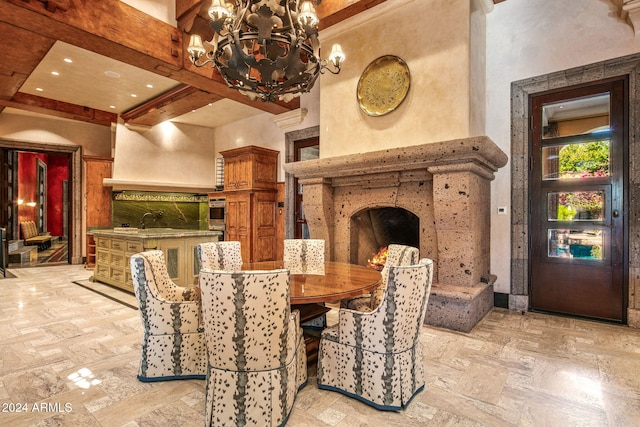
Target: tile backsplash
pixel 179 210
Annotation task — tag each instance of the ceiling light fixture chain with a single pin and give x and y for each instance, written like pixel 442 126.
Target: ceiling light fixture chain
pixel 266 49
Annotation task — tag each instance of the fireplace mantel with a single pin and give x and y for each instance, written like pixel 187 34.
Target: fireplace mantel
pixel 446 184
pixel 480 151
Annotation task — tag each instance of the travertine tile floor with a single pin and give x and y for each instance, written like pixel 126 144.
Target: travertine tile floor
pixel 69 357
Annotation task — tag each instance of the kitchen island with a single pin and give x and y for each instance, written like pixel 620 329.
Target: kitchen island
pixel 115 246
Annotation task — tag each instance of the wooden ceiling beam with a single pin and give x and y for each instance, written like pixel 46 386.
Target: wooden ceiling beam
pixel 114 29
pixel 17 61
pixel 332 12
pixel 108 27
pixel 171 104
pixel 51 107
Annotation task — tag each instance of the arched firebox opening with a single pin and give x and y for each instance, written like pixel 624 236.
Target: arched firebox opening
pixel 372 230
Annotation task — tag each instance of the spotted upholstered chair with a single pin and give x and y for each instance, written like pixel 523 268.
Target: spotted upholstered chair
pixel 220 255
pixel 304 256
pixel 256 352
pixel 396 255
pixel 173 346
pixel 376 356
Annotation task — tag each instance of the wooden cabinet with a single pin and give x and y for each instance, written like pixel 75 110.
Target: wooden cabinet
pixel 250 168
pixel 97 199
pixel 90 260
pixel 251 220
pixel 238 221
pixel 250 191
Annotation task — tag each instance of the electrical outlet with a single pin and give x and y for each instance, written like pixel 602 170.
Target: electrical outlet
pixel 502 210
pixel 126 224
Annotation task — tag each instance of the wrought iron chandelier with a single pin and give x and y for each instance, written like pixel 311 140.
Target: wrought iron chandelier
pixel 267 49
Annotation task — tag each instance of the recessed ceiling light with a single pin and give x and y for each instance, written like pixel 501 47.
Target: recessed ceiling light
pixel 112 106
pixel 39 89
pixel 68 60
pixel 150 86
pixel 55 73
pixel 133 95
pixel 193 111
pixel 112 74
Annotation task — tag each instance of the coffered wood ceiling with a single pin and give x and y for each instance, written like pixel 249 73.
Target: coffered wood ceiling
pixel 110 37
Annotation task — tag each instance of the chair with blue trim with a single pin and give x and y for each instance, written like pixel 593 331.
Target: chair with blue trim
pixel 396 255
pixel 306 256
pixel 256 352
pixel 224 255
pixel 173 345
pixel 376 356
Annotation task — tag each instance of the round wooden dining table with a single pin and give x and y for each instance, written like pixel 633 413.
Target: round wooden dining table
pixel 331 282
pixel 336 281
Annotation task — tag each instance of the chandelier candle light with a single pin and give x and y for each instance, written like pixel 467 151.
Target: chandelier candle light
pixel 267 49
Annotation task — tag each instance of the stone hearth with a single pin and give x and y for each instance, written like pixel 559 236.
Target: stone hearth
pixel 446 184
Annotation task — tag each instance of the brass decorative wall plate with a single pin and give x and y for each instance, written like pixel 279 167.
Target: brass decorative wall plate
pixel 383 85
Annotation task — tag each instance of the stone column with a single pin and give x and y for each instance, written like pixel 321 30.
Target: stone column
pixel 464 292
pixel 462 202
pixel 318 210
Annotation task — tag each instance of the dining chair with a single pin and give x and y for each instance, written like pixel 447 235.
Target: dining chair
pixel 257 358
pixel 396 255
pixel 220 255
pixel 306 256
pixel 173 346
pixel 376 356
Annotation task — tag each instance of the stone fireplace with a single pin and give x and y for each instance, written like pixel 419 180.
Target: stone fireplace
pixel 444 185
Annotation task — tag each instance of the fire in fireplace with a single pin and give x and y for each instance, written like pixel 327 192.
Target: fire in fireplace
pixel 378 259
pixel 376 228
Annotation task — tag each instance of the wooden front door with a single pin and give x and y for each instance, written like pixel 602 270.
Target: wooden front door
pixel 577 204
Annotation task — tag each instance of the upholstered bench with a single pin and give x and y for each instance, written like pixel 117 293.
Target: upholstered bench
pixel 31 236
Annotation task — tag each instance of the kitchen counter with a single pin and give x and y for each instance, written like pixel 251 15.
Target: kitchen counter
pixel 115 246
pixel 147 233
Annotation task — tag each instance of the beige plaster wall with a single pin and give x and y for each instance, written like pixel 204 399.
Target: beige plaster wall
pixel 178 153
pixel 526 39
pixel 263 131
pixel 164 10
pixel 432 36
pixel 95 140
pixel 167 153
pixel 477 64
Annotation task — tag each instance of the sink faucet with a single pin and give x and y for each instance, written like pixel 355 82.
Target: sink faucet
pixel 154 215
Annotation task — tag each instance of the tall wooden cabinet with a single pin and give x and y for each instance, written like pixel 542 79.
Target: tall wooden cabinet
pixel 98 200
pixel 250 191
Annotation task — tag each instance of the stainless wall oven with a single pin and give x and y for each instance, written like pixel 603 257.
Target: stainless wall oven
pixel 217 215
